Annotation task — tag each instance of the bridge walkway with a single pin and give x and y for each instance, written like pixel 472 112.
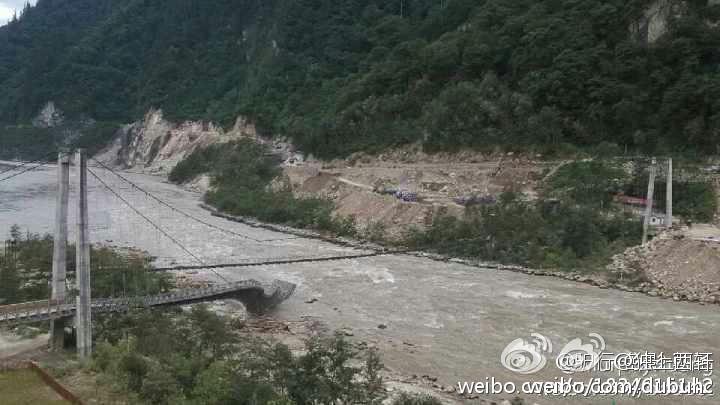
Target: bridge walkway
pixel 257 296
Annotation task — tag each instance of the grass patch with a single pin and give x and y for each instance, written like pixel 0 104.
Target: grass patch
pixel 24 387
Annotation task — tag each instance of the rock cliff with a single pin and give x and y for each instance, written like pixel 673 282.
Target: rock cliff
pixel 156 145
pixel 49 116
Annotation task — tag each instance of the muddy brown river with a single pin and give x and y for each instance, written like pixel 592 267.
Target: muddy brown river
pixel 443 320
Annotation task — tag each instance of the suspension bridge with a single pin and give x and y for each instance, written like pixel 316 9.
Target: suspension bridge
pixel 63 310
pixel 256 297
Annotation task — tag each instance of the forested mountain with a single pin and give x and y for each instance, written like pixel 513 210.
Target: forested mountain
pixel 346 75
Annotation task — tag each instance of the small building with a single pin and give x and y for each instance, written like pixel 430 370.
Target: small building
pixel 656 220
pixel 631 201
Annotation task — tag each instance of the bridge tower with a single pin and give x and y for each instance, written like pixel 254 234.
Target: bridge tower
pixel 669 196
pixel 650 199
pixel 59 270
pixel 83 300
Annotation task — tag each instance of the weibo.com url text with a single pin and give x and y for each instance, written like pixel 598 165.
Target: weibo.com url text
pixel 571 387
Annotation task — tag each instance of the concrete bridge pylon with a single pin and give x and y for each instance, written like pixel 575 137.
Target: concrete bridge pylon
pixel 59 265
pixel 83 317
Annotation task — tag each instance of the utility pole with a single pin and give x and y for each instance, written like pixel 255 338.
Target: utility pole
pixel 59 266
pixel 669 196
pixel 84 313
pixel 649 204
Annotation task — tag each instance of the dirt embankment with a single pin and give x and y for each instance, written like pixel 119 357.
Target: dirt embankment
pixel 679 264
pixel 356 184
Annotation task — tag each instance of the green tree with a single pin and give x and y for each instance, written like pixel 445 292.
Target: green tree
pixel 159 385
pixel 214 385
pixel 135 368
pixel 345 76
pixel 9 284
pixel 212 331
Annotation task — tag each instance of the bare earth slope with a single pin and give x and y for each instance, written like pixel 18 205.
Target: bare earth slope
pixel 678 264
pixel 437 179
pixel 156 145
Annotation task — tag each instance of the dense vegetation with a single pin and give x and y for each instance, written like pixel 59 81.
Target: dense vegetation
pixel 27 142
pixel 242 176
pixel 595 183
pixel 26 269
pixel 31 143
pixel 197 357
pixel 543 234
pixel 693 200
pixel 348 75
pixel 574 225
pixel 697 202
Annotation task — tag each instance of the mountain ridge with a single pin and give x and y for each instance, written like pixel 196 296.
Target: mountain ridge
pixel 347 76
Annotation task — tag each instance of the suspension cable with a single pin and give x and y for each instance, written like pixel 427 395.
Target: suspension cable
pixel 277 262
pixel 23 172
pixel 42 159
pixel 38 163
pixel 183 213
pixel 156 226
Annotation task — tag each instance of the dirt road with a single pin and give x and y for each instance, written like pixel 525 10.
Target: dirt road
pixel 11 345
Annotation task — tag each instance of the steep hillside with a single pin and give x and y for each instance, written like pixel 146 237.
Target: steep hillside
pixel 157 145
pixel 346 75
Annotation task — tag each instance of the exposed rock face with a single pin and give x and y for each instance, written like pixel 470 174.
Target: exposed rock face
pixel 156 145
pixel 49 117
pixel 654 22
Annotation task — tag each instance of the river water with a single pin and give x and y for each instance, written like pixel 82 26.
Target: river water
pixel 444 320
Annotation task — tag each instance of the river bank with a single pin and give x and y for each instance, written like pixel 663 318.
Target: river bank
pixel 445 320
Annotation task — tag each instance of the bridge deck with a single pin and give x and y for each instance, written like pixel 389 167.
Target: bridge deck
pixel 38 311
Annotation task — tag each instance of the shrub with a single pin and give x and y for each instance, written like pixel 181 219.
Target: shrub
pixel 540 234
pixel 158 385
pixel 114 274
pixel 591 183
pixel 241 175
pixel 197 163
pixel 695 201
pixel 135 367
pixel 330 371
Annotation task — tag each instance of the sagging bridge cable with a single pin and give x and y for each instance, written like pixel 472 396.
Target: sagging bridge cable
pixel 183 213
pixel 153 224
pixel 276 262
pixel 37 164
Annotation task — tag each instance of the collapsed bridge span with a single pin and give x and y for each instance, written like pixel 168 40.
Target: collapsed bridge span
pixel 257 297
